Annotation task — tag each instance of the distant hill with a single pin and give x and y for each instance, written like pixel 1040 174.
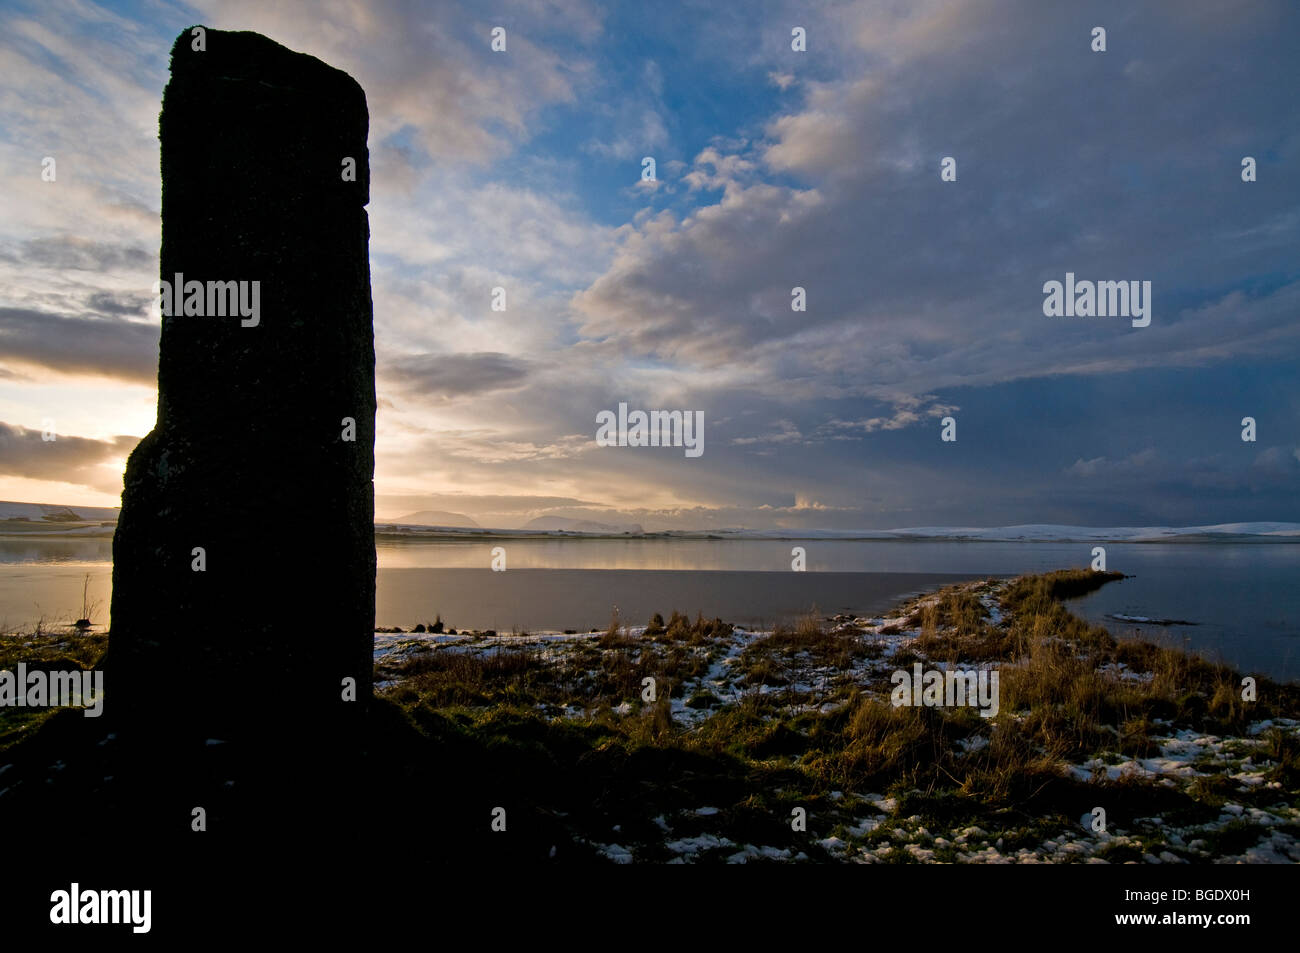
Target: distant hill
pixel 51 518
pixel 434 518
pixel 557 524
pixel 52 513
pixel 1144 534
pixel 1045 532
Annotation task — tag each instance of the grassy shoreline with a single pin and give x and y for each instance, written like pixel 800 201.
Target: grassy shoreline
pixel 746 727
pixel 800 717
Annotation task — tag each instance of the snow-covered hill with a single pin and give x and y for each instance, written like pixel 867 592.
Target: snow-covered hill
pixel 434 518
pixel 564 524
pixel 51 513
pixel 56 517
pixel 1052 531
pixel 1049 532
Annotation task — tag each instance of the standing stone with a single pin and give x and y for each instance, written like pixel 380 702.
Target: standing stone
pixel 248 460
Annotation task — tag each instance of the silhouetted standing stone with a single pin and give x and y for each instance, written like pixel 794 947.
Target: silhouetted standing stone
pixel 248 460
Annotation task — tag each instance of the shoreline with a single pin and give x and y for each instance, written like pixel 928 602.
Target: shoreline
pixel 789 744
pixel 579 600
pixel 17 529
pixel 766 695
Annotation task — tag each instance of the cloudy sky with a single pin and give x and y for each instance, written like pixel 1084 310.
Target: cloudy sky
pixel 775 169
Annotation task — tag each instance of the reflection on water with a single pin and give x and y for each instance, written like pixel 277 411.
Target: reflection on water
pixel 1242 596
pixel 58 549
pixel 583 599
pixel 767 555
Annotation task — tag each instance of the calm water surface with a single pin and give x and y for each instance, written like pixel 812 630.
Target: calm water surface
pixel 1243 598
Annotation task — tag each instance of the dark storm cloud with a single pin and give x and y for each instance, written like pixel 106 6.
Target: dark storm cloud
pixel 66 459
pixel 83 255
pixel 925 297
pixel 108 302
pixel 107 347
pixel 449 376
pixel 1121 165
